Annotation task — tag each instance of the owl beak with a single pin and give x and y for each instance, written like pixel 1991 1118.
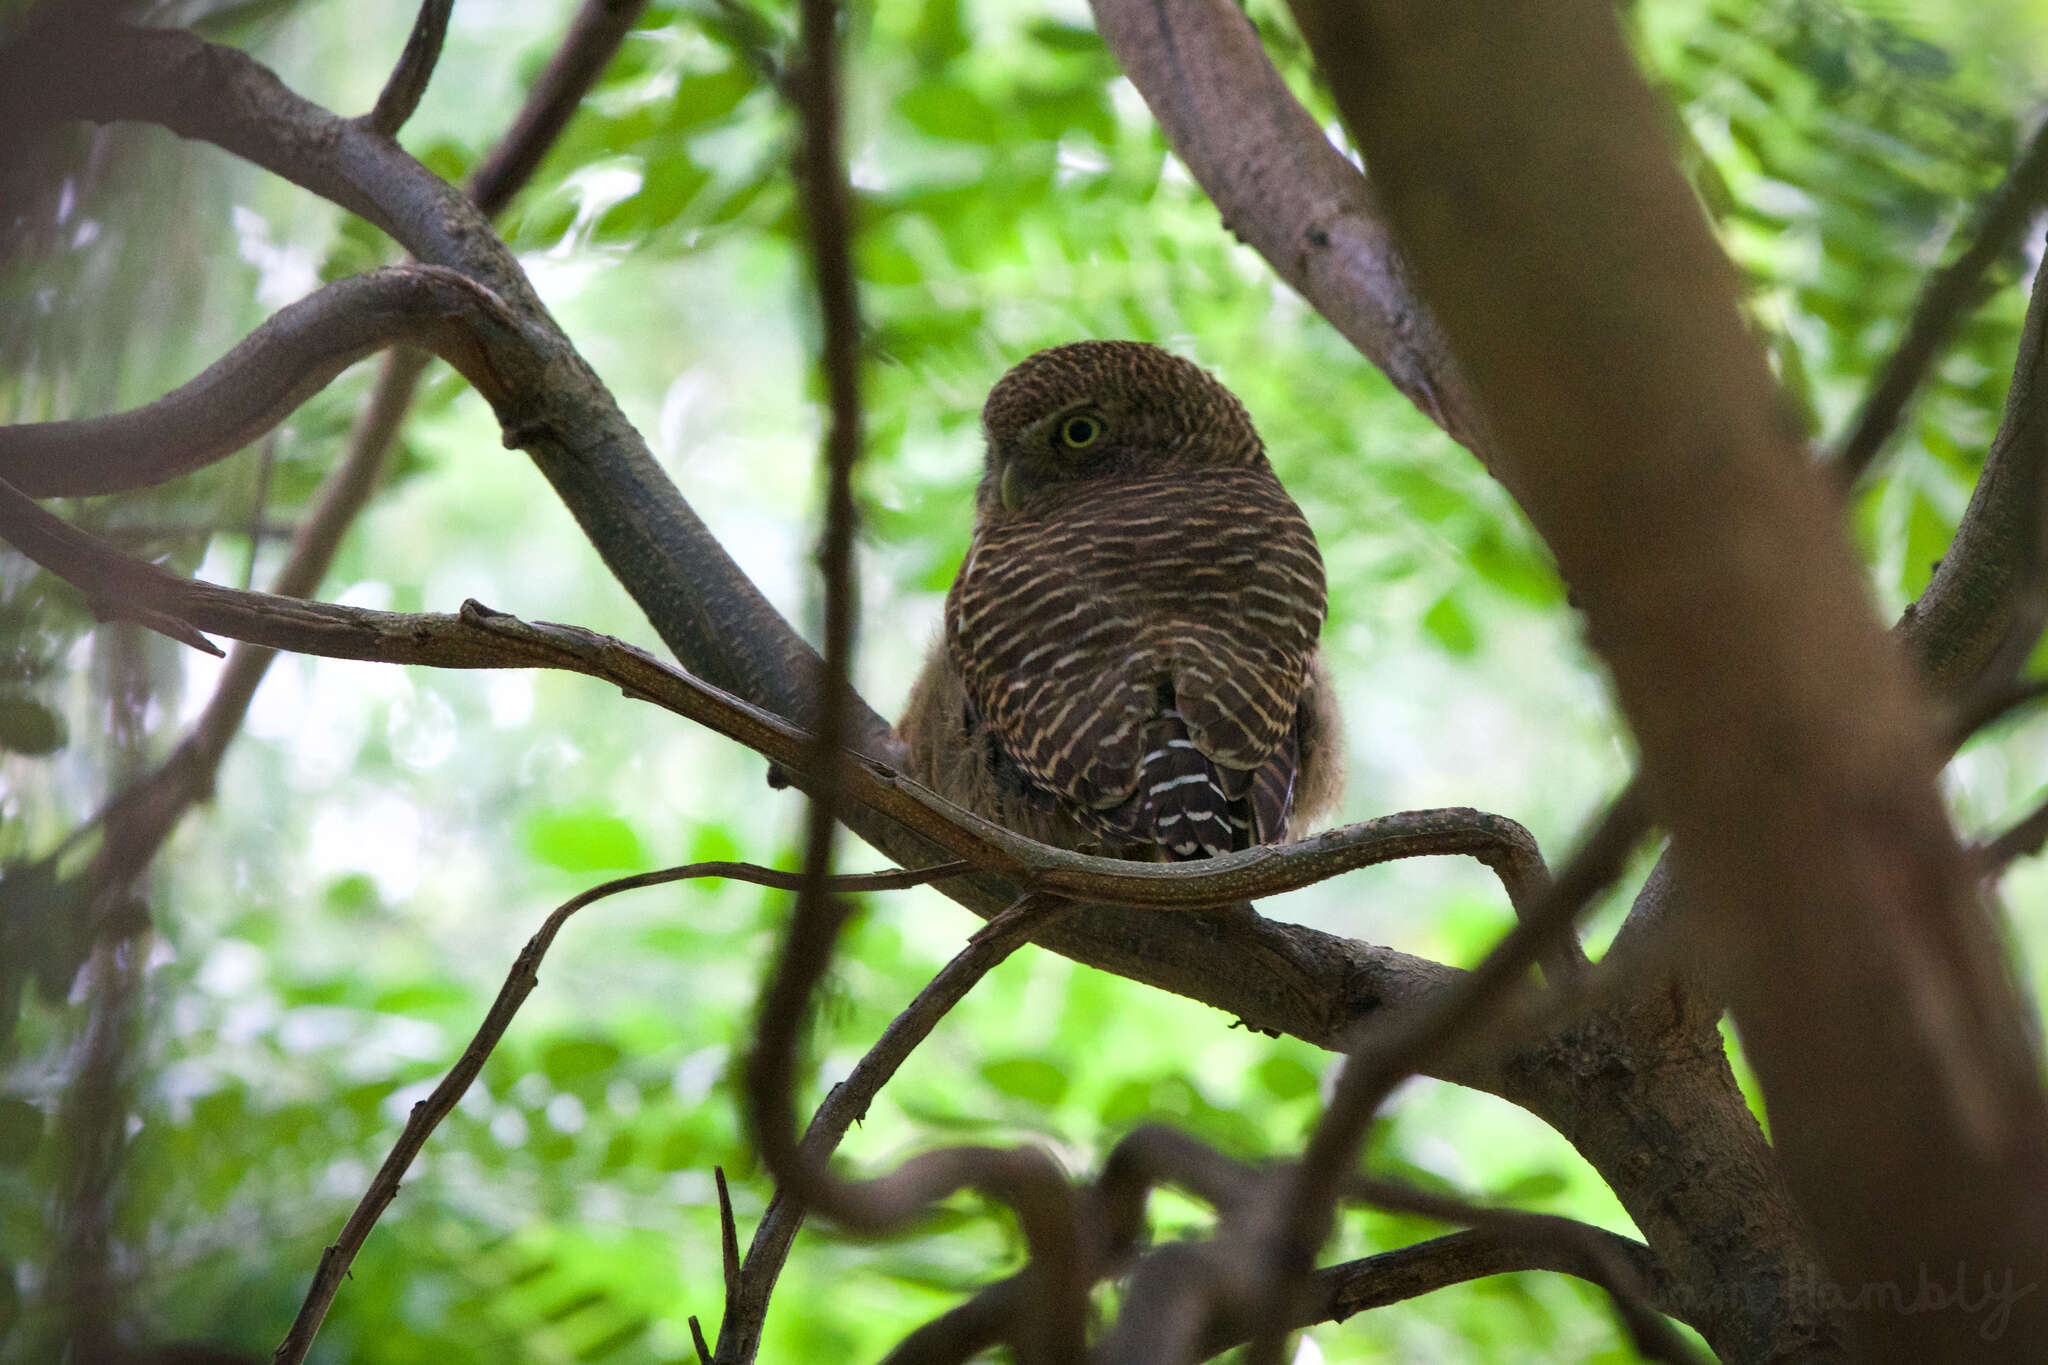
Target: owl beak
pixel 1012 485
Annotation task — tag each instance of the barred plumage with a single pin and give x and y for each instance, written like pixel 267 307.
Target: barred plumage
pixel 1130 658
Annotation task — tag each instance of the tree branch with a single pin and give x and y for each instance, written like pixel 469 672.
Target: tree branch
pixel 2023 839
pixel 700 603
pixel 1985 605
pixel 593 39
pixel 519 983
pixel 1521 161
pixel 769 1101
pixel 1944 296
pixel 478 637
pixel 1630 1276
pixel 142 815
pixel 1285 191
pixel 746 1309
pixel 408 80
pixel 252 388
pixel 1384 1057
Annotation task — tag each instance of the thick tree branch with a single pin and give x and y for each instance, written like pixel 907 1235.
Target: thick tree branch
pixel 1306 1205
pixel 1520 160
pixel 142 815
pixel 1985 606
pixel 1970 630
pixel 478 637
pixel 1284 190
pixel 287 360
pixel 700 603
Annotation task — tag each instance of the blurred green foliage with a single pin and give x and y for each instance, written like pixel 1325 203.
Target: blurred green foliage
pixel 332 929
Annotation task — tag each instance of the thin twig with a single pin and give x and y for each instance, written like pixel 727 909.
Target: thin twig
pixel 739 1335
pixel 593 39
pixel 408 80
pixel 1388 1055
pixel 2024 839
pixel 1023 1178
pixel 817 917
pixel 758 40
pixel 728 1238
pixel 1947 292
pixel 1608 1261
pixel 519 983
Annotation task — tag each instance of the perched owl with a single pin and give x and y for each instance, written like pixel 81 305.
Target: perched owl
pixel 1130 663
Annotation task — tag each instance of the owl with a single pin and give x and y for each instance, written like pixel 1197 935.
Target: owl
pixel 1129 664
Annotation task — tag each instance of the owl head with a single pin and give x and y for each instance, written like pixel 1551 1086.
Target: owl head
pixel 1081 417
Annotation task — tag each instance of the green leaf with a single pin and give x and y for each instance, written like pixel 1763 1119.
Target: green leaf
pixel 1059 37
pixel 1450 626
pixel 1286 1078
pixel 952 113
pixel 352 894
pixel 1533 1188
pixel 1028 1078
pixel 29 727
pixel 572 1059
pixel 715 844
pixel 583 840
pixel 21 1131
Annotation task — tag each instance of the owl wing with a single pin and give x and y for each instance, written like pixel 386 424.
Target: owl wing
pixel 1141 658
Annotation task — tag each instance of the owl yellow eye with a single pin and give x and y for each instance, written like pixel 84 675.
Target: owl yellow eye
pixel 1081 432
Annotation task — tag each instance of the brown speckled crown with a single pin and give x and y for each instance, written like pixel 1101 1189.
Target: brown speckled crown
pixel 1138 641
pixel 1170 402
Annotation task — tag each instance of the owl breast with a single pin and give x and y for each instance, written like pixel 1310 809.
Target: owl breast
pixel 1140 653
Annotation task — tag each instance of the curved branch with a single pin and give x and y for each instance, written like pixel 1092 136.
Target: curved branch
pixel 478 637
pixel 1339 1291
pixel 749 1284
pixel 1633 1279
pixel 705 609
pixel 1305 1208
pixel 1985 605
pixel 281 364
pixel 519 983
pixel 142 815
pixel 408 80
pixel 1284 190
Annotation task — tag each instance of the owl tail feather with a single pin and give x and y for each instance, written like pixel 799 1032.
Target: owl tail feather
pixel 1180 802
